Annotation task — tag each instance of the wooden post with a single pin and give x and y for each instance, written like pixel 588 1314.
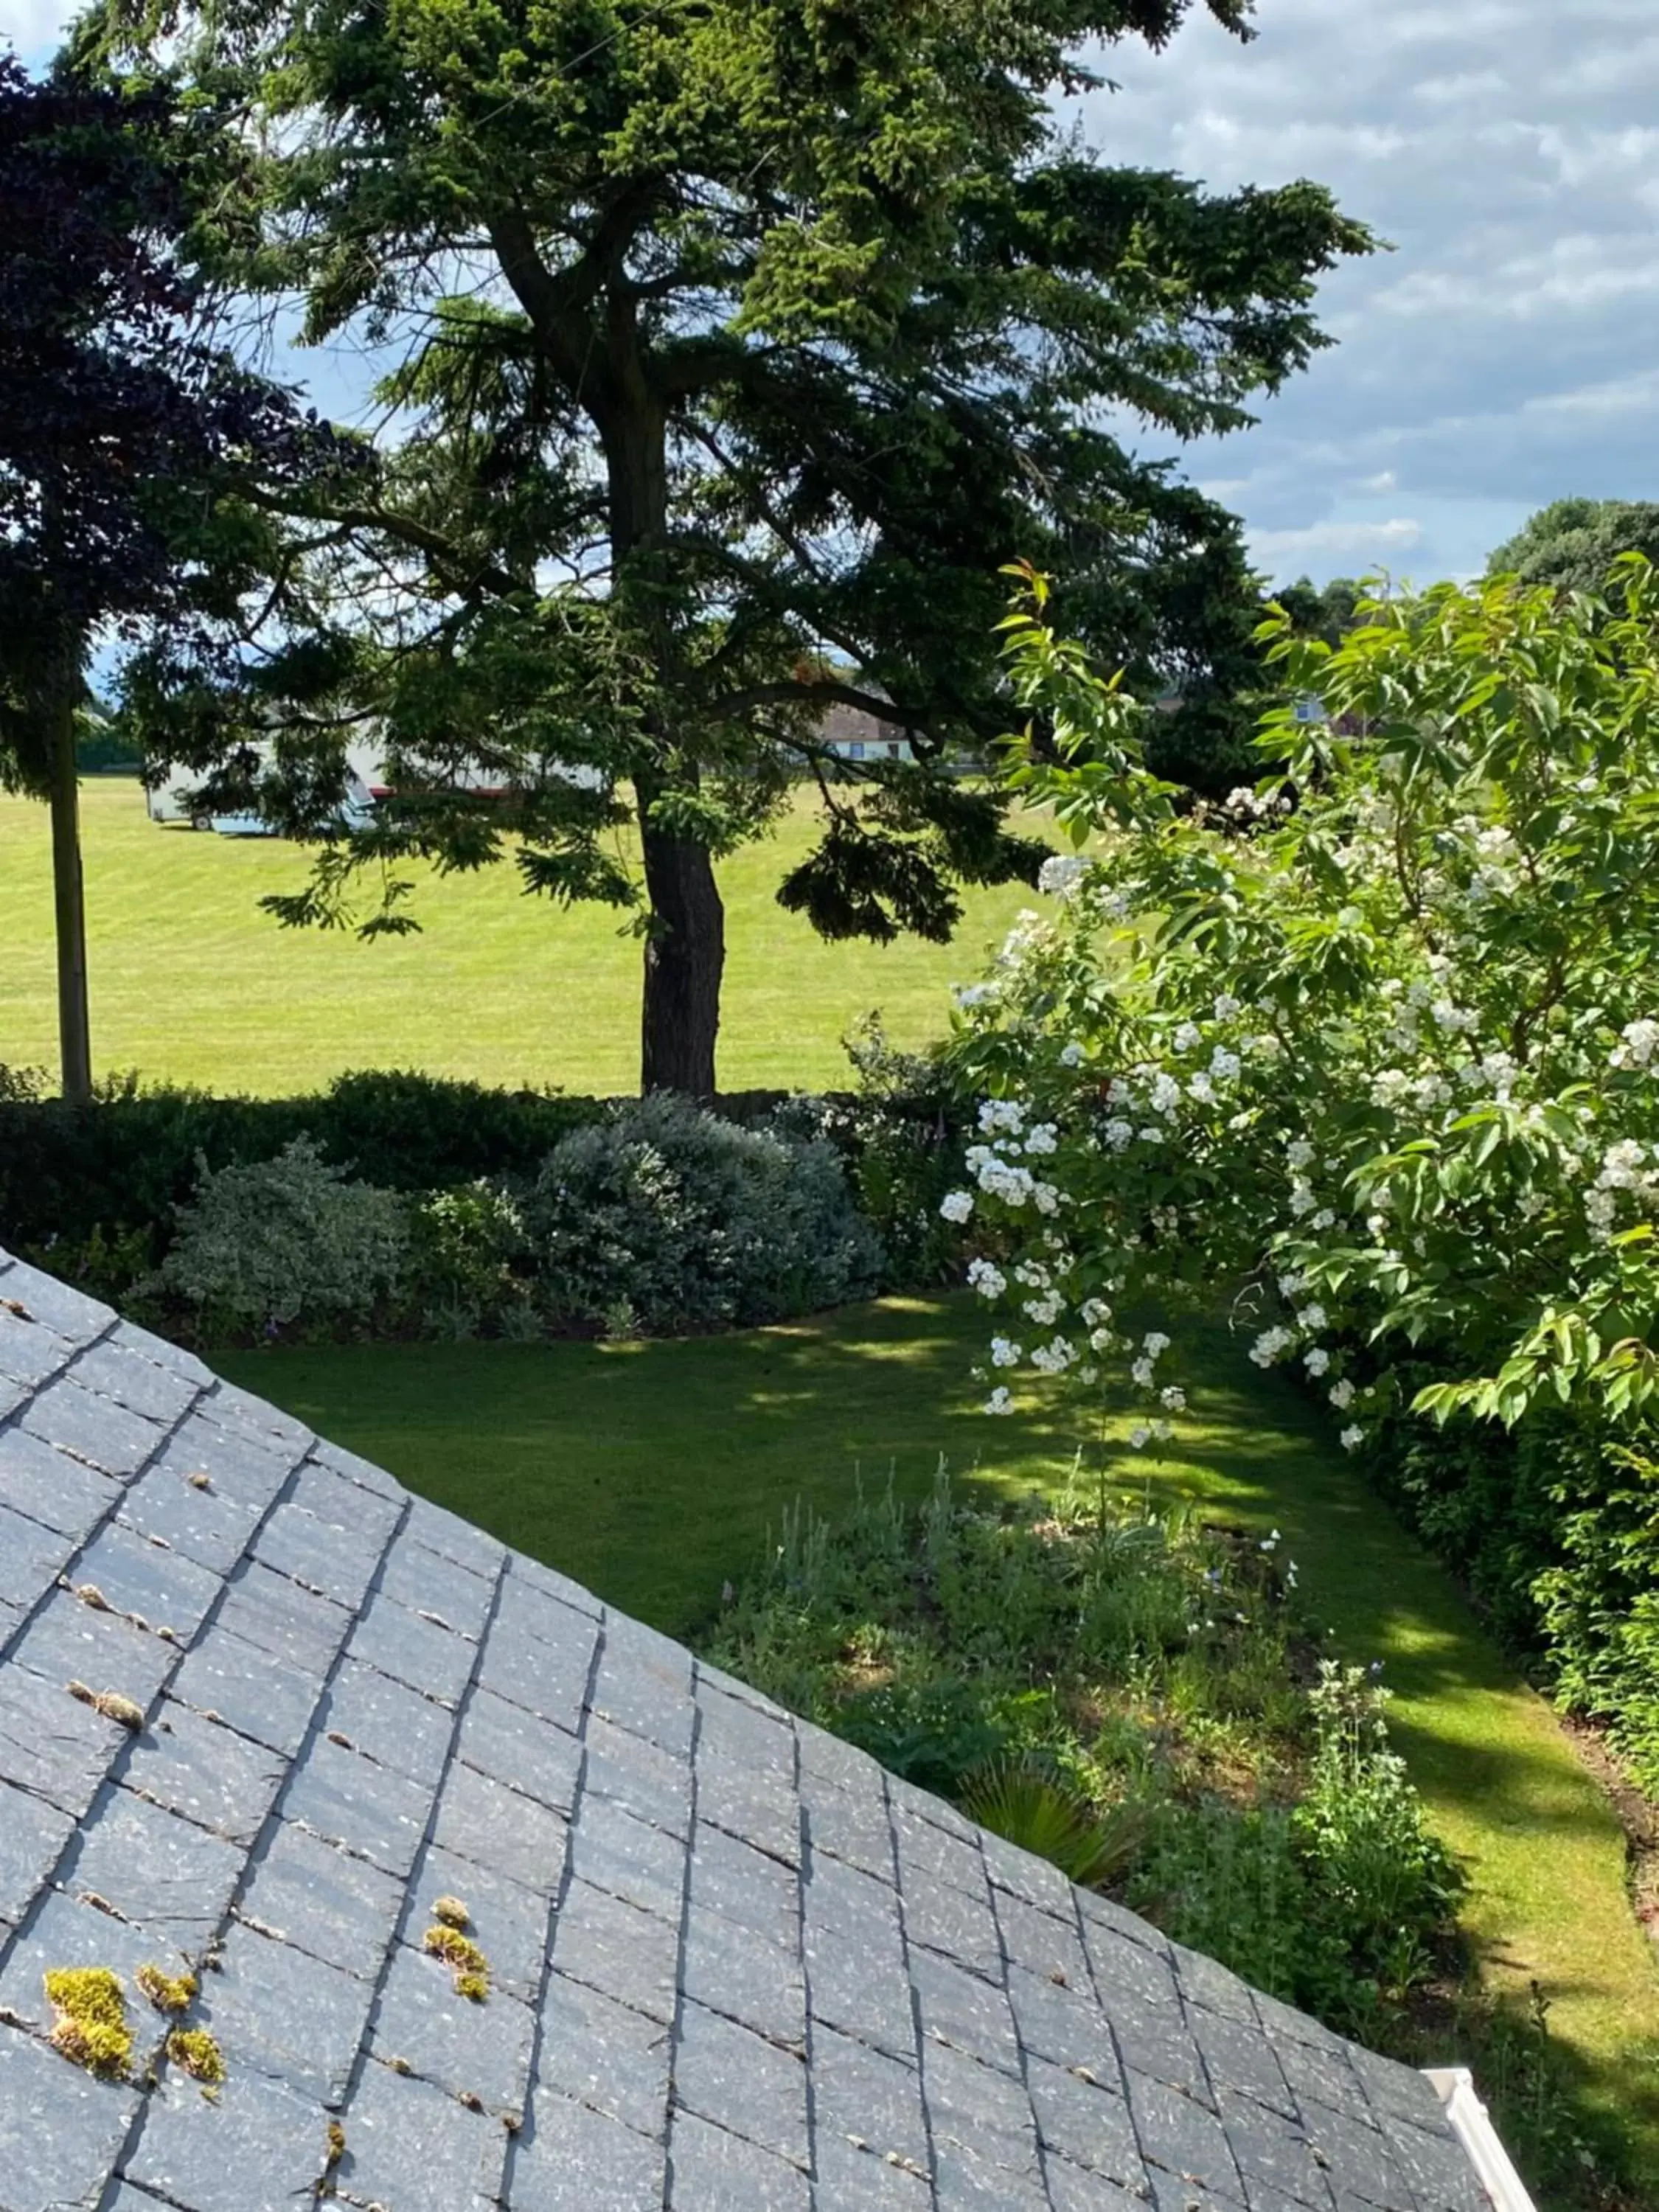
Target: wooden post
pixel 73 1023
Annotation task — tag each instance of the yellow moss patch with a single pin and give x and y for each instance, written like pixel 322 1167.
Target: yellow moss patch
pixel 451 1912
pixel 195 2050
pixel 112 1705
pixel 166 1992
pixel 89 2019
pixel 461 1956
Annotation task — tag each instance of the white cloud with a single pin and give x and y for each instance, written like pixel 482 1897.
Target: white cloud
pixel 1330 546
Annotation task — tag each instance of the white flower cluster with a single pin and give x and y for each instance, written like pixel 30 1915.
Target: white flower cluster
pixel 1622 1169
pixel 988 1280
pixel 1061 875
pixel 1640 1042
pixel 956 1205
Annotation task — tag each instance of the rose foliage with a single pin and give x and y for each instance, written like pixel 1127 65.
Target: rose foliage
pixel 1370 1053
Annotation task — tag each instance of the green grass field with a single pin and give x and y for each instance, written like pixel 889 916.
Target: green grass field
pixel 653 1471
pixel 191 983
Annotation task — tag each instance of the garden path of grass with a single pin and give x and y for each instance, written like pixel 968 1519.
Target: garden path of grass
pixel 653 1471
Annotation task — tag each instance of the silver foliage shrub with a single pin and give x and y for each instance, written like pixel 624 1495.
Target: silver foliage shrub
pixel 688 1220
pixel 285 1240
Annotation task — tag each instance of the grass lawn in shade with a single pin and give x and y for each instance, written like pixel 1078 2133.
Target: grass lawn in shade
pixel 653 1471
pixel 190 982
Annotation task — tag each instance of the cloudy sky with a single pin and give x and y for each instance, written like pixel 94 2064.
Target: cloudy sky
pixel 1506 352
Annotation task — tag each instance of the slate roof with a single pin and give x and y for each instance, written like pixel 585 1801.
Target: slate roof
pixel 736 1968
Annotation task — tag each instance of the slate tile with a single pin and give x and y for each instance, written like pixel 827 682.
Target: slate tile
pixel 338 1562
pixel 1206 1982
pixel 1105 1912
pixel 32 1835
pixel 93 1429
pixel 966 2184
pixel 926 1853
pixel 267 1609
pixel 1286 2026
pixel 1263 2196
pixel 979 2110
pixel 647 1782
pixel 759 1812
pixel 207 1771
pixel 1085 2122
pixel 65 1933
pixel 31 1351
pixel 53 1304
pixel 472 2049
pixel 546 1679
pixel 854 1905
pixel 480 1819
pixel 1270 2150
pixel 852 2180
pixel 139 1384
pixel 918 1804
pixel 1398 2090
pixel 70 1642
pixel 1071 2189
pixel 425 1583
pixel 1056 2023
pixel 863 1990
pixel 13 1396
pixel 716 1679
pixel 509 1921
pixel 251 1690
pixel 1120 1963
pixel 709 2167
pixel 347 1799
pixel 1437 2167
pixel 411 2147
pixel 256 2147
pixel 537 1575
pixel 454 1539
pixel 159 1585
pixel 948 1920
pixel 239 1412
pixel 1035 1882
pixel 747 1978
pixel 322 1899
pixel 529 1754
pixel 960 2010
pixel 362 1472
pixel 31 1556
pixel 51 1743
pixel 744 1890
pixel 1235 2057
pixel 50 1486
pixel 604 2054
pixel 1155 2040
pixel 1325 2074
pixel 646 1696
pixel 60 2130
pixel 163 1874
pixel 1180 2136
pixel 198 1524
pixel 851 1826
pixel 578 2160
pixel 725 2073
pixel 389 1722
pixel 285 2014
pixel 344 1506
pixel 1044 1944
pixel 430 1659
pixel 243 1471
pixel 613 1851
pixel 631 1956
pixel 863 2097
pixel 831 1760
pixel 163 1353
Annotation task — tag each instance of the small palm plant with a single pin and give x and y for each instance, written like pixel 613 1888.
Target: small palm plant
pixel 1026 1802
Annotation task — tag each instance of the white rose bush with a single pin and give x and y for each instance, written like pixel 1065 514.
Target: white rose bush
pixel 1367 1056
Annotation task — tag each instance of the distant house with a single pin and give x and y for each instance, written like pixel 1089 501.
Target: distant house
pixel 492 1899
pixel 854 735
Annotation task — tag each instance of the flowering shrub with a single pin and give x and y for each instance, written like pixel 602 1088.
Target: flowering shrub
pixel 287 1241
pixel 1370 1050
pixel 1375 1040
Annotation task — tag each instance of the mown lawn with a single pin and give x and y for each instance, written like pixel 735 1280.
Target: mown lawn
pixel 190 982
pixel 654 1472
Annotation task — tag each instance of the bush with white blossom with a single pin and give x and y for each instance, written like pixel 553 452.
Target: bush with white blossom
pixel 1371 1052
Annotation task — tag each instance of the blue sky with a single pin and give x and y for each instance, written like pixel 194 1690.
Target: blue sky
pixel 1504 354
